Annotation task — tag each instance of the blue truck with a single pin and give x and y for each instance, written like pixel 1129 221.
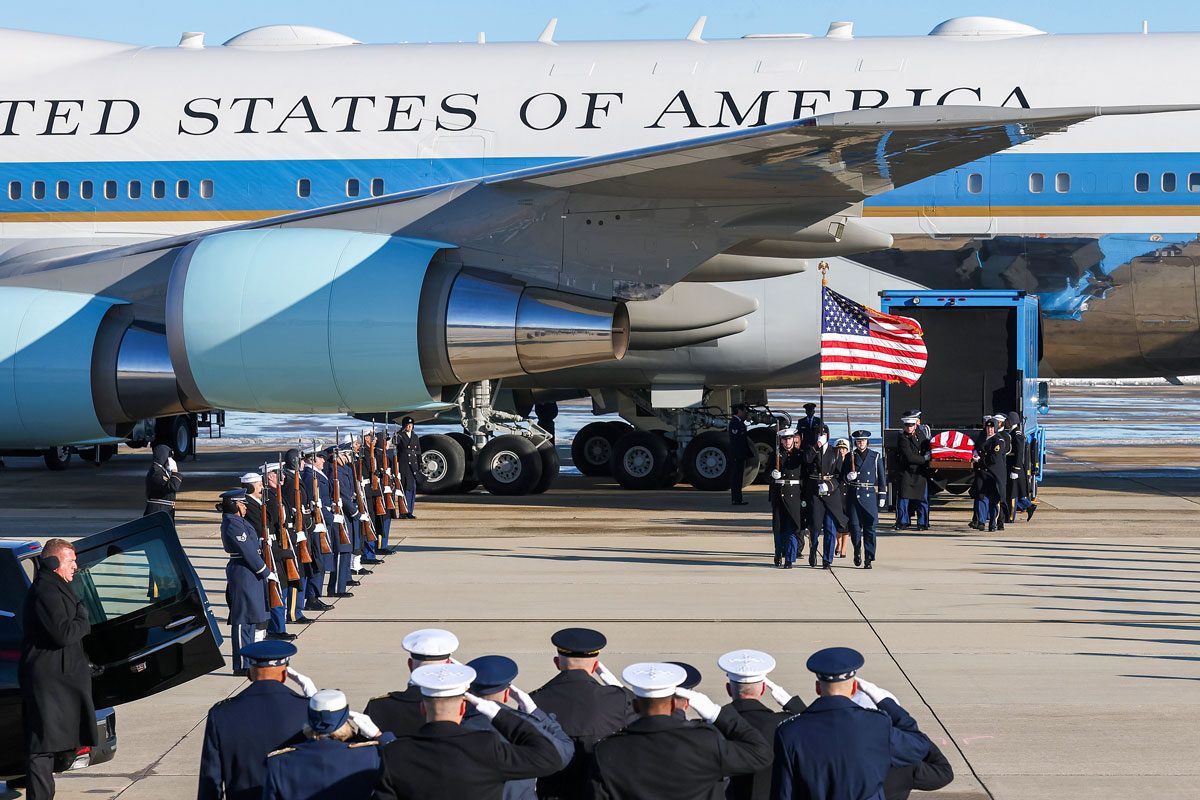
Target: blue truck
pixel 984 347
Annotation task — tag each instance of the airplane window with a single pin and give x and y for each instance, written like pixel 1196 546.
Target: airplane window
pixel 39 190
pixel 1168 181
pixel 62 190
pixel 135 190
pixel 303 187
pixel 974 183
pixel 85 190
pixel 1037 182
pixel 110 190
pixel 1062 182
pixel 206 189
pixel 1141 182
pixel 158 190
pixel 1194 182
pixel 376 187
pixel 14 190
pixel 352 187
pixel 183 189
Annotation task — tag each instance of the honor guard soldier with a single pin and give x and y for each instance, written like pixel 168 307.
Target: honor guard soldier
pixel 494 676
pixel 1018 470
pixel 865 495
pixel 824 498
pixel 445 759
pixel 408 453
pixel 912 458
pixel 301 524
pixel 787 498
pixel 747 671
pixel 273 496
pixel 810 427
pixel 243 729
pixel 991 479
pixel 336 563
pixel 246 576
pixel 256 510
pixel 838 748
pixel 400 712
pixel 338 761
pixel 587 709
pixel 162 482
pixel 740 449
pixel 341 490
pixel 691 679
pixel 662 757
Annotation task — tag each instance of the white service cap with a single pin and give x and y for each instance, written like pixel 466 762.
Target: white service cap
pixel 786 432
pixel 654 679
pixel 274 466
pixel 443 680
pixel 251 477
pixel 431 644
pixel 746 666
pixel 910 420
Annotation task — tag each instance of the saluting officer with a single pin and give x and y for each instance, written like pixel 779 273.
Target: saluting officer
pixel 740 449
pixel 663 757
pixel 912 456
pixel 691 679
pixel 339 760
pixel 838 748
pixel 444 760
pixel 587 709
pixel 162 482
pixel 494 676
pixel 865 489
pixel 787 498
pixel 825 506
pixel 747 671
pixel 408 452
pixel 246 576
pixel 400 711
pixel 252 482
pixel 243 729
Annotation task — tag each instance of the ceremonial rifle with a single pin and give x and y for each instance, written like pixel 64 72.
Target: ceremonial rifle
pixel 289 564
pixel 386 480
pixel 343 536
pixel 380 507
pixel 274 598
pixel 298 511
pixel 318 512
pixel 401 500
pixel 365 523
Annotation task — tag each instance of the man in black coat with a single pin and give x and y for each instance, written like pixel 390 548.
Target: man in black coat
pixel 162 482
pixel 54 673
pixel 400 711
pixel 740 450
pixel 408 453
pixel 912 458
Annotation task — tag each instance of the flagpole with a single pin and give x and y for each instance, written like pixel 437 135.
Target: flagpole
pixel 823 268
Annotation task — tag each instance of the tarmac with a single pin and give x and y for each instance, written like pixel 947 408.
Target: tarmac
pixel 1060 659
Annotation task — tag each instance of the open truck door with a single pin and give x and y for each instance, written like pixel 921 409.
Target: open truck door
pixel 151 626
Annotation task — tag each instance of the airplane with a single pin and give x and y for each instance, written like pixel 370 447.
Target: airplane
pixel 297 222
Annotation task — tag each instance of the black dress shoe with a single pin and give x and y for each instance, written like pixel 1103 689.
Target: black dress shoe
pixel 317 605
pixel 741 502
pixel 302 621
pixel 364 572
pixel 857 559
pixel 1029 513
pixel 812 558
pixel 344 594
pixel 899 527
pixel 1000 525
pixel 372 561
pixel 410 516
pixel 354 583
pixel 778 561
pixel 825 565
pixel 922 527
pixel 867 565
pixel 788 565
pixel 281 637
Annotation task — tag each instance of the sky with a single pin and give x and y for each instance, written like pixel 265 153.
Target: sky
pixel 160 22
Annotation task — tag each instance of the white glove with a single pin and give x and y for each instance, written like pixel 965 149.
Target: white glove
pixel 707 709
pixel 301 537
pixel 1012 476
pixel 778 692
pixel 524 701
pixel 271 576
pixel 883 502
pixel 776 474
pixel 605 675
pixel 364 518
pixel 171 465
pixel 488 708
pixel 872 691
pixel 851 476
pixel 860 699
pixel 366 727
pixel 338 519
pixel 303 681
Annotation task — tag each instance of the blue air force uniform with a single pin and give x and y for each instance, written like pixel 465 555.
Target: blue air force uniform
pixel 863 493
pixel 323 505
pixel 312 572
pixel 245 573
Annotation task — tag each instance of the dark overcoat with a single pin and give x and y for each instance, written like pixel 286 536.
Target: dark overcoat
pixel 912 457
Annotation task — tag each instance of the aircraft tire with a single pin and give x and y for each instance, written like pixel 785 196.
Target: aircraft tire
pixel 642 460
pixel 550 466
pixel 57 458
pixel 591 449
pixel 469 480
pixel 764 440
pixel 442 464
pixel 706 461
pixel 509 465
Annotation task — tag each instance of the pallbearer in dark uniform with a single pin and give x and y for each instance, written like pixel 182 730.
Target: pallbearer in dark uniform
pixel 243 729
pixel 660 756
pixel 400 711
pixel 865 484
pixel 747 671
pixel 408 451
pixel 162 482
pixel 339 759
pixel 740 450
pixel 252 482
pixel 838 748
pixel 992 465
pixel 445 760
pixel 824 498
pixel 912 459
pixel 587 700
pixel 1018 469
pixel 246 576
pixel 787 498
pixel 810 426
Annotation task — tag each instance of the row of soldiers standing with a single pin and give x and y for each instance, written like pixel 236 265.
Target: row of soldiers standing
pixel 301 531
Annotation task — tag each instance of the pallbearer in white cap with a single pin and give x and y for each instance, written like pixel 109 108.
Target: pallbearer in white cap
pixel 443 759
pixel 400 711
pixel 747 671
pixel 665 757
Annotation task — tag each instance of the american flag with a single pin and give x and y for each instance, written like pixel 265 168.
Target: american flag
pixel 860 343
pixel 952 445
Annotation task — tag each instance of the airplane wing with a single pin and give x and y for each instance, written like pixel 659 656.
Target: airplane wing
pixel 611 224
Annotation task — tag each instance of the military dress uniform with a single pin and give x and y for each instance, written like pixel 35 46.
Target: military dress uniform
pixel 243 729
pixel 810 427
pixel 825 500
pixel 293 486
pixel 927 775
pixel 787 502
pixel 993 475
pixel 408 452
pixel 1018 469
pixel 161 483
pixel 277 622
pixel 865 484
pixel 246 576
pixel 912 458
pixel 400 712
pixel 336 563
pixel 666 758
pixel 740 450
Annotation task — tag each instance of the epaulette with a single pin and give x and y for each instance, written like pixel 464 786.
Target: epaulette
pixel 381 697
pixel 281 752
pixel 371 743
